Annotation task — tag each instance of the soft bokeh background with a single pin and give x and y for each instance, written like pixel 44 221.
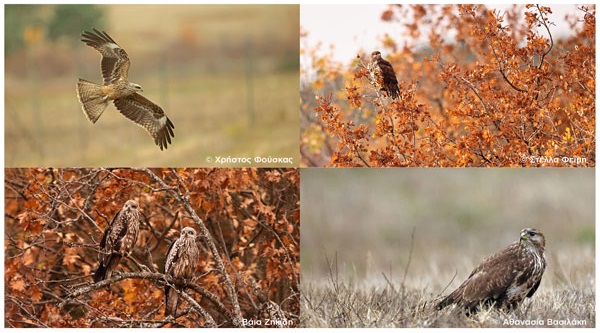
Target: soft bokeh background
pixel 365 219
pixel 344 31
pixel 226 75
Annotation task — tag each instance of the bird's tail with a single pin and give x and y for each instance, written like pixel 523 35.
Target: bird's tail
pixel 393 90
pixel 100 272
pixel 91 98
pixel 171 300
pixel 106 268
pixel 445 302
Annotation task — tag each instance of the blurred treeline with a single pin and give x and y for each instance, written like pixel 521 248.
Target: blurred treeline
pixel 23 23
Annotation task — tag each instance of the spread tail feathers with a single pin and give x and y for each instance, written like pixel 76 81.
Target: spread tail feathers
pixel 91 98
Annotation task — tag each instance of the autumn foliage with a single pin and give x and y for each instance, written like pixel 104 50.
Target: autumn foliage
pixel 248 226
pixel 491 88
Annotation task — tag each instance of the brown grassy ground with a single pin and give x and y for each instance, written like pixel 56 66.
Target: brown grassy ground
pixel 341 304
pixel 344 306
pixel 362 265
pixel 227 76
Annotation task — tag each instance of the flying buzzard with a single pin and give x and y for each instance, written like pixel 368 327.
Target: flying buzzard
pixel 119 239
pixel 504 279
pixel 384 75
pixel 182 258
pixel 94 98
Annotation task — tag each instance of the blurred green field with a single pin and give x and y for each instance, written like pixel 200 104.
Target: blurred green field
pixel 227 76
pixel 357 229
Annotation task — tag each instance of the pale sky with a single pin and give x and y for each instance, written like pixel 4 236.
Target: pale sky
pixel 347 27
pixel 353 27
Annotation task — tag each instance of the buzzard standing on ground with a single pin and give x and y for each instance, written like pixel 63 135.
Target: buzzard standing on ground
pixel 503 279
pixel 182 258
pixel 384 75
pixel 94 98
pixel 119 239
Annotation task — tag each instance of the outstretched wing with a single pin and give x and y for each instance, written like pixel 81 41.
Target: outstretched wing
pixel 149 116
pixel 115 62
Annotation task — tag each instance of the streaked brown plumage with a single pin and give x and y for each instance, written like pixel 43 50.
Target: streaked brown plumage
pixel 503 279
pixel 182 258
pixel 118 240
pixel 384 75
pixel 94 98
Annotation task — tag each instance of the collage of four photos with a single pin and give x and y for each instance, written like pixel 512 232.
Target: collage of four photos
pixel 299 166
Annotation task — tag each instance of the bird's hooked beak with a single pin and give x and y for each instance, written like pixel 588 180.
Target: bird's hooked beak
pixel 137 86
pixel 188 233
pixel 523 235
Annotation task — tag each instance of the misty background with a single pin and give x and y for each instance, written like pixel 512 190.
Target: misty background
pixel 358 224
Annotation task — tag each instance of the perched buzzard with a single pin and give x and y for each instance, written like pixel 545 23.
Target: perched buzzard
pixel 384 75
pixel 94 98
pixel 182 258
pixel 119 239
pixel 504 279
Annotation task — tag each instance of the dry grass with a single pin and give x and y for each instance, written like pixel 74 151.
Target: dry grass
pixel 338 303
pixel 343 305
pixel 206 124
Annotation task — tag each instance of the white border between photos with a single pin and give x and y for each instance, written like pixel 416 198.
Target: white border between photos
pixel 336 2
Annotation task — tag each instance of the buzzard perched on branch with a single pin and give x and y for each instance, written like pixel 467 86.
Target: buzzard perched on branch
pixel 503 279
pixel 119 239
pixel 94 98
pixel 182 258
pixel 384 75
